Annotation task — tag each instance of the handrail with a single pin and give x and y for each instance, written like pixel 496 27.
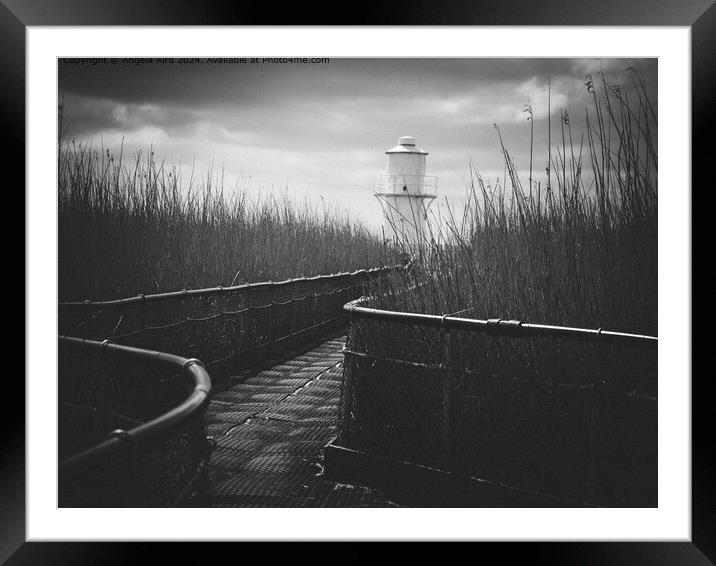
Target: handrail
pixel 120 440
pixel 498 327
pixel 217 290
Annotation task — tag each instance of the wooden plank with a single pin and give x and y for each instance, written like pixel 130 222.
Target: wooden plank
pixel 422 486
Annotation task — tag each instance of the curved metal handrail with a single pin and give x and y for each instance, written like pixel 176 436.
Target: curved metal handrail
pixel 152 430
pixel 209 291
pixel 498 327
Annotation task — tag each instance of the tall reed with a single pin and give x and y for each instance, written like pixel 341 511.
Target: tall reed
pixel 581 251
pixel 136 227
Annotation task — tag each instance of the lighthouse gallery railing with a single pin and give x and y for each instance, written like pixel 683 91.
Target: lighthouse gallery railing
pixel 406 185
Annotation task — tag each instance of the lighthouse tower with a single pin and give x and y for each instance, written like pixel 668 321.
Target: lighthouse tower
pixel 405 193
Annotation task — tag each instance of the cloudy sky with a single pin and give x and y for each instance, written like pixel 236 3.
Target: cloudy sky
pixel 321 130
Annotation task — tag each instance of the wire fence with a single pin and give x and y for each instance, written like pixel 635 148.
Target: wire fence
pixel 132 426
pixel 571 413
pixel 223 327
pixel 120 368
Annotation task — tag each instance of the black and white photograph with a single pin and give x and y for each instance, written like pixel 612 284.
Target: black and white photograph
pixel 421 274
pixel 357 282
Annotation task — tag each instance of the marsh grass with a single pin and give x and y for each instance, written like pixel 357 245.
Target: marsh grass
pixel 131 227
pixel 579 252
pixel 552 415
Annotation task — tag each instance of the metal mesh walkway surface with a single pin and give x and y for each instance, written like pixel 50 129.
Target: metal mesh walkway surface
pixel 270 430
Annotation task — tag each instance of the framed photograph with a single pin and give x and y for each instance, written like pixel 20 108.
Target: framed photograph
pixel 420 268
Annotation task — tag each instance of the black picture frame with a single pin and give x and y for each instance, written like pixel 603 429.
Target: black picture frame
pixel 699 15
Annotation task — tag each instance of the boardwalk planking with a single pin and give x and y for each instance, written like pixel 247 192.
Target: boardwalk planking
pixel 270 430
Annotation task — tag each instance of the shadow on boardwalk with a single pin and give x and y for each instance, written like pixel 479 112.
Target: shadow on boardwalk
pixel 270 429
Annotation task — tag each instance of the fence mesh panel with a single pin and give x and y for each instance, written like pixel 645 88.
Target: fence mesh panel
pixel 227 329
pixel 223 327
pixel 102 391
pixel 570 418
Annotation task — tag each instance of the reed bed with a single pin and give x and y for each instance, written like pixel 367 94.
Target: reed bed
pixel 574 420
pixel 578 250
pixel 134 227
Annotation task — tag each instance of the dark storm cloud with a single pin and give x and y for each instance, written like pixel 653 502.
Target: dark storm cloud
pixel 251 100
pixel 247 84
pixel 86 115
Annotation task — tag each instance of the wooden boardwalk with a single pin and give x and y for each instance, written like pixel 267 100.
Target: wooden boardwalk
pixel 270 430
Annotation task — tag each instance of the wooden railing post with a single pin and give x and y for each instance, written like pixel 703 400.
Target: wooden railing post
pixel 101 420
pixel 271 314
pixel 447 386
pixel 594 432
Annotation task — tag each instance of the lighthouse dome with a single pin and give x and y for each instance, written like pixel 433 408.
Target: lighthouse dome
pixel 406 144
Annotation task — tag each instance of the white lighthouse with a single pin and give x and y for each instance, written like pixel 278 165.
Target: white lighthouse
pixel 405 193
